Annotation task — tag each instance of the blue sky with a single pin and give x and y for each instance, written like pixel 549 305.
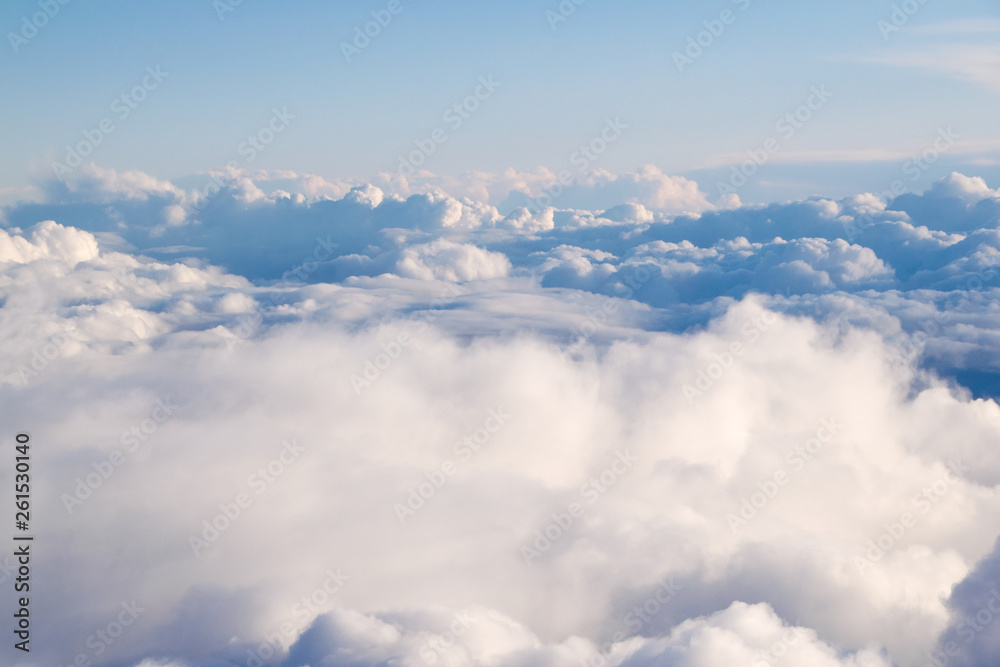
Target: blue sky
pixel 354 119
pixel 673 390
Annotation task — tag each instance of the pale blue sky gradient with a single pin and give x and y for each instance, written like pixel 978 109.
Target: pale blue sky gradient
pixel 355 119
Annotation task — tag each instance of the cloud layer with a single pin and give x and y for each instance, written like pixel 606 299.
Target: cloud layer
pixel 299 423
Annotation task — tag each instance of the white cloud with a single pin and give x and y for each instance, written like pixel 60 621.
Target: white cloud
pixel 735 402
pixel 90 182
pixel 49 240
pixel 973 63
pixel 444 260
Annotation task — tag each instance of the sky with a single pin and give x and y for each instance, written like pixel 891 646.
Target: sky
pixel 229 65
pixel 524 334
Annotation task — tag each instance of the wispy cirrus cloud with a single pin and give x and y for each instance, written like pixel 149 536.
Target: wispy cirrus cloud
pixel 957 27
pixel 978 64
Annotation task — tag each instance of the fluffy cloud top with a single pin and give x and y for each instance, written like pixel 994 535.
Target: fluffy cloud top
pixel 358 426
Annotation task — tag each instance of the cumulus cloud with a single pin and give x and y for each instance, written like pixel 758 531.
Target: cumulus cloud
pixel 741 634
pixel 648 186
pixel 94 184
pixel 359 426
pixel 455 262
pixel 48 240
